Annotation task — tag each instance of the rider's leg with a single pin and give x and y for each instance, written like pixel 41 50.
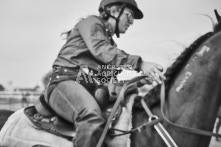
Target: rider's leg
pixel 74 103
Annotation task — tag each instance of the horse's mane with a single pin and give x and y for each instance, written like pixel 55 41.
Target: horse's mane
pixel 176 67
pixel 181 60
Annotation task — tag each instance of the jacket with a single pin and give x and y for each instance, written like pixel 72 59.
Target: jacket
pixel 89 43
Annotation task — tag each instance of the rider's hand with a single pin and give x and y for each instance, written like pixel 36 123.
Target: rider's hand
pixel 153 70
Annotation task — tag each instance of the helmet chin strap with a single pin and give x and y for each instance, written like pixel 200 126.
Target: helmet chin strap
pixel 117 19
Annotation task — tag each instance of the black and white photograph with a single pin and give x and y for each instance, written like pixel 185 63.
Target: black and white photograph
pixel 110 73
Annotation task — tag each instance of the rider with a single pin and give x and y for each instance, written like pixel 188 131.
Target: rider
pixel 89 44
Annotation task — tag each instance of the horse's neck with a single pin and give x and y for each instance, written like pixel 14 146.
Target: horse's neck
pixel 194 97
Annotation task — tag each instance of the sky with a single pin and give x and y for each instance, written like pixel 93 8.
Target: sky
pixel 30 32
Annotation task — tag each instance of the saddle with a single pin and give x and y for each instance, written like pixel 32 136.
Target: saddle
pixel 44 119
pixel 54 124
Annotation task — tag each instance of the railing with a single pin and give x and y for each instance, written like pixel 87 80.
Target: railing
pixel 17 99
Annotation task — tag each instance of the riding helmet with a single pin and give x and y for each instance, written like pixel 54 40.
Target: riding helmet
pixel 129 3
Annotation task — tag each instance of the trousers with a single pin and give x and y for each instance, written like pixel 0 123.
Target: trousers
pixel 75 103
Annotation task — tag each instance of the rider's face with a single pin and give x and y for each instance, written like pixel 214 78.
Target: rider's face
pixel 126 20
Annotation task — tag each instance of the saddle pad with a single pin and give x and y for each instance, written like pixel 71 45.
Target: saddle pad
pixel 19 131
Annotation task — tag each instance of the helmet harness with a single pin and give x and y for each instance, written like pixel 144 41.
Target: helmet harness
pixel 107 15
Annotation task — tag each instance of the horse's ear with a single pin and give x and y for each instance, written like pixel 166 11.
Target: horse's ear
pixel 218 17
pixel 217 27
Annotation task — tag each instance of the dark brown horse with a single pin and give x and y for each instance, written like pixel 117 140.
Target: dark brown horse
pixel 193 91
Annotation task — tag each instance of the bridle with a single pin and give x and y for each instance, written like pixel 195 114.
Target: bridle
pixel 154 120
pixel 186 129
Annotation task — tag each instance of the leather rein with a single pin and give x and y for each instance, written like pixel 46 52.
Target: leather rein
pixel 155 119
pixel 186 129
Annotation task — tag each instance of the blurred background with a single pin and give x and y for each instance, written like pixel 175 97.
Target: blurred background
pixel 30 37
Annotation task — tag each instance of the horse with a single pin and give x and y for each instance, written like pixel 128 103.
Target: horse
pixel 193 91
pixel 192 86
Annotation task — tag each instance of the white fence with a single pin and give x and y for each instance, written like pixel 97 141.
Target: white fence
pixel 17 99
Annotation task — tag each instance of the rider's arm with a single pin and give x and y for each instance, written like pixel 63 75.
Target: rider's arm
pixel 92 30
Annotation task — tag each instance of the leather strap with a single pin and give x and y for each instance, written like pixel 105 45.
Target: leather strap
pixel 159 127
pixel 186 129
pixel 42 107
pixel 116 105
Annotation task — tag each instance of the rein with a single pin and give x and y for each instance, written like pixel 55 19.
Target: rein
pixel 186 129
pixel 153 120
pixel 119 100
